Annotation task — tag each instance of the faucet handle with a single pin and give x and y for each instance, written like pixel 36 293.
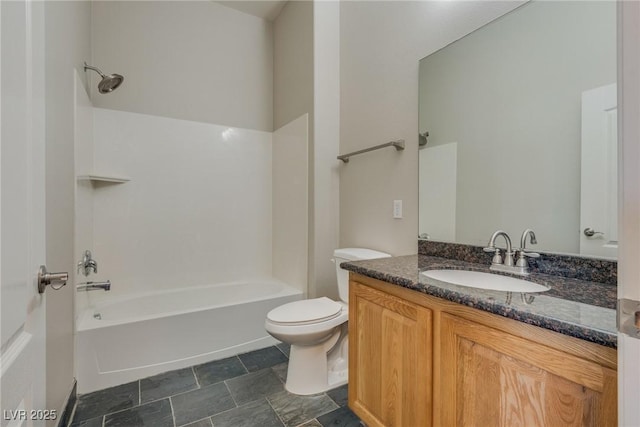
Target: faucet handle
pixel 497 258
pixel 87 264
pixel 92 265
pixel 521 262
pixel 523 253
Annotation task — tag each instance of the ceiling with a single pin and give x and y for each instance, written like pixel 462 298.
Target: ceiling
pixel 266 9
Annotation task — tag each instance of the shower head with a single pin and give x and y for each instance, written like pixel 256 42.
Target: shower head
pixel 109 83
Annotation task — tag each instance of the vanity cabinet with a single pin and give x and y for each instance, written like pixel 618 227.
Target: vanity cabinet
pixel 492 377
pixel 417 360
pixel 389 358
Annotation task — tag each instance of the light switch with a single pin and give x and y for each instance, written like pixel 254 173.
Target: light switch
pixel 397 209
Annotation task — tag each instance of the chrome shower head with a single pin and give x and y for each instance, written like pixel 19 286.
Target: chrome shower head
pixel 109 83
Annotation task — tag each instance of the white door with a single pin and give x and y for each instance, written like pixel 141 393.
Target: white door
pixel 22 250
pixel 599 177
pixel 629 219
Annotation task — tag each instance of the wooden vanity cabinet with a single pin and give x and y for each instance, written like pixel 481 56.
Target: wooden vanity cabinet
pixel 417 360
pixel 490 377
pixel 389 358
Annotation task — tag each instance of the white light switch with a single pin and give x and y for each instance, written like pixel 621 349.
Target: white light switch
pixel 397 208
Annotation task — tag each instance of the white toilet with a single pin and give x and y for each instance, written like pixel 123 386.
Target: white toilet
pixel 317 331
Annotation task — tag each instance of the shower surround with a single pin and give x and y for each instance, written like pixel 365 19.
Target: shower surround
pixel 197 209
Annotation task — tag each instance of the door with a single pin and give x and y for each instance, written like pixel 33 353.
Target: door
pixel 629 162
pixel 22 250
pixel 599 177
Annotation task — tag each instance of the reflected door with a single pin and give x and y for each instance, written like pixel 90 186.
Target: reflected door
pixel 438 192
pixel 599 176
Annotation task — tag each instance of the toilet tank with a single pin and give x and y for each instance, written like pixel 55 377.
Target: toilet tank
pixel 351 254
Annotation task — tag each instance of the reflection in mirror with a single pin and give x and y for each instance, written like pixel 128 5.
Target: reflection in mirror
pixel 521 118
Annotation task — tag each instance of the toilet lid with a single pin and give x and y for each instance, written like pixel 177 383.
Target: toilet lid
pixel 305 311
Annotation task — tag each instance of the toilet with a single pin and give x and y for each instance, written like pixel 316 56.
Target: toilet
pixel 317 330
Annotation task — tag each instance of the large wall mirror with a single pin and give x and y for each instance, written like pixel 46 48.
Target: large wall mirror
pixel 521 120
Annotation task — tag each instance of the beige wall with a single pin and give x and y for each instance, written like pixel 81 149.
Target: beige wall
pixel 326 185
pixel 68 44
pixel 192 60
pixel 307 80
pixel 381 44
pixel 293 63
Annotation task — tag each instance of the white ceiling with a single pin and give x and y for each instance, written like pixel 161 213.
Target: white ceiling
pixel 266 9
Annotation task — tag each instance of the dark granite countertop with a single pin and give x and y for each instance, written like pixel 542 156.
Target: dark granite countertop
pixel 573 307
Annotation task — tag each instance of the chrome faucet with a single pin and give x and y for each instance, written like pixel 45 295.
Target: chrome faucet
pixel 87 264
pixel 521 266
pixel 498 263
pixel 94 286
pixel 521 263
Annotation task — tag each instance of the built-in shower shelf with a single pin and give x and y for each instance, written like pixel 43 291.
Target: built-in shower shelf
pixel 104 178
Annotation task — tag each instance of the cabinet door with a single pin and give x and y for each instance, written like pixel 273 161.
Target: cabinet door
pixel 492 378
pixel 389 359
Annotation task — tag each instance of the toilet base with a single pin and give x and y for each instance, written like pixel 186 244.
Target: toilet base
pixel 316 369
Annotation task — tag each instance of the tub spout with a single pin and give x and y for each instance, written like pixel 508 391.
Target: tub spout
pixel 94 286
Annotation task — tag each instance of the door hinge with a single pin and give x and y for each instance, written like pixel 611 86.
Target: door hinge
pixel 628 320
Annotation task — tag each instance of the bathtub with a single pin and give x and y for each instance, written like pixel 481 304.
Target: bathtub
pixel 125 339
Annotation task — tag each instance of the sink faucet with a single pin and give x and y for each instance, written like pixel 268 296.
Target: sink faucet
pixel 521 266
pixel 497 258
pixel 87 264
pixel 94 286
pixel 522 263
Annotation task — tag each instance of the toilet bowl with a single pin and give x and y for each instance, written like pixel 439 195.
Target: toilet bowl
pixel 317 330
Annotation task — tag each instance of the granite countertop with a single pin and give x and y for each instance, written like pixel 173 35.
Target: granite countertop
pixel 573 307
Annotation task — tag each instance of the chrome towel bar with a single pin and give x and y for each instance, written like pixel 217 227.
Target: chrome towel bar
pixel 399 144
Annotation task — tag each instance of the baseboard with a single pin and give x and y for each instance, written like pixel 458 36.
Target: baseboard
pixel 67 412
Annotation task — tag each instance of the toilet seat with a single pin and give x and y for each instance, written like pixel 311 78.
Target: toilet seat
pixel 309 333
pixel 305 312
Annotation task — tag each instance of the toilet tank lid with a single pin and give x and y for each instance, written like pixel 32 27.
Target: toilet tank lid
pixel 357 254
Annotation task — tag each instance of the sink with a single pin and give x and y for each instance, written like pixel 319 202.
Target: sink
pixel 477 279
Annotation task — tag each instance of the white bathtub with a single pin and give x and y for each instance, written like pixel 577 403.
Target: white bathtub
pixel 130 338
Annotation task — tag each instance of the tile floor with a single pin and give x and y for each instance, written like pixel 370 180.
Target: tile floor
pixel 244 390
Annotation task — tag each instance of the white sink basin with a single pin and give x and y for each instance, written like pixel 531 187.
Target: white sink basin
pixel 477 279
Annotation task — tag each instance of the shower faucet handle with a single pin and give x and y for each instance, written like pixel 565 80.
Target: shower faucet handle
pixel 87 264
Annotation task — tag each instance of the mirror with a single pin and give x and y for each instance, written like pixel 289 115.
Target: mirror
pixel 521 122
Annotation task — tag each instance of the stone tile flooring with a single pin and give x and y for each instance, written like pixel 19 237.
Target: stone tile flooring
pixel 240 391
